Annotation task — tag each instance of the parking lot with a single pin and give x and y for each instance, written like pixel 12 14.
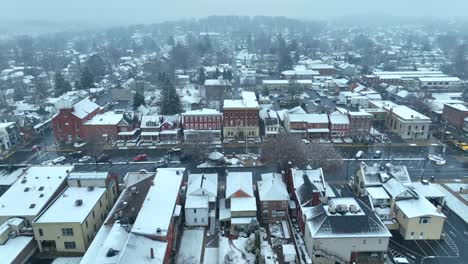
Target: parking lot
pixel 453 248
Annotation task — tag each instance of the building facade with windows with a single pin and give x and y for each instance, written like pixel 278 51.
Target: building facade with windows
pixel 9 136
pixel 241 117
pixel 273 197
pixel 455 114
pixel 68 124
pixel 70 223
pixel 202 125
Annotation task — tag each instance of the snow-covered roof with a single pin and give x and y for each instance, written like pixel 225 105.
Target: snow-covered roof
pixel 428 190
pixel 202 112
pixel 243 204
pixel 65 210
pixel 217 82
pixel 377 193
pixel 339 119
pixel 239 181
pixel 459 107
pixel 203 184
pixel 107 118
pixel 439 79
pixel 271 82
pixel 272 188
pixel 161 201
pixel 309 118
pixel 84 107
pixel 375 175
pixel 9 177
pixel 88 175
pixel 137 250
pixel 13 248
pixel 249 100
pixel 31 192
pixel 300 72
pixel 417 208
pixel 322 223
pixel 407 113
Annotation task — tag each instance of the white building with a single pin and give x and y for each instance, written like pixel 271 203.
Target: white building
pixel 446 82
pixel 200 202
pixel 406 122
pixel 345 230
pixel 32 192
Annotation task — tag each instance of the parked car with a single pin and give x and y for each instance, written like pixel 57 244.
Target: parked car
pixel 59 160
pixel 36 148
pixel 141 157
pixel 377 154
pixel 76 155
pixel 103 158
pixel 85 159
pixel 359 154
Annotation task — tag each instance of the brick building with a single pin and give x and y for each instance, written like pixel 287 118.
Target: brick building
pixel 455 114
pixel 68 124
pixel 339 125
pixel 107 126
pixel 308 125
pixel 204 124
pixel 273 197
pixel 241 117
pixel 216 89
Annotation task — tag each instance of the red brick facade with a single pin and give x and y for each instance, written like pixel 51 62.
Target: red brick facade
pixel 203 122
pixel 454 116
pixel 69 128
pixel 240 118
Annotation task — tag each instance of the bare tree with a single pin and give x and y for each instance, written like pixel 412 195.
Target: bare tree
pixel 196 147
pixel 290 148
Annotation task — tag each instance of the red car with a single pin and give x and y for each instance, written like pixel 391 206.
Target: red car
pixel 36 148
pixel 140 157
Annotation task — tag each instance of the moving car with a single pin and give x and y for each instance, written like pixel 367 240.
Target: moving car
pixel 436 159
pixel 36 148
pixel 103 158
pixel 85 159
pixel 359 154
pixel 377 154
pixel 59 160
pixel 76 154
pixel 141 157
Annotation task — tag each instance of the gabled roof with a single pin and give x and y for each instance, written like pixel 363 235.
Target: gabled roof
pixel 239 181
pixel 272 188
pixel 203 184
pixel 84 107
pixel 418 207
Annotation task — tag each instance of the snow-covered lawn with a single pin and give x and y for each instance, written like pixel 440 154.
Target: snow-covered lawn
pixel 455 204
pixel 191 246
pixel 236 254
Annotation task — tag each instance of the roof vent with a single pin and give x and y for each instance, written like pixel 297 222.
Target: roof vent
pixel 23 181
pixel 41 188
pixel 353 209
pixel 26 189
pixel 90 188
pixel 112 252
pixel 342 209
pixel 177 172
pixel 79 202
pixel 158 231
pixel 32 206
pixel 332 209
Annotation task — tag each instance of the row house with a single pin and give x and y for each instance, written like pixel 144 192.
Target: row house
pixel 359 123
pixel 273 197
pixel 156 128
pixel 241 117
pixel 339 125
pixel 270 123
pixel 216 89
pixel 200 202
pixel 68 124
pixel 202 125
pixel 323 69
pixel 108 127
pixel 239 205
pixel 10 136
pixel 455 114
pixel 145 196
pixel 312 126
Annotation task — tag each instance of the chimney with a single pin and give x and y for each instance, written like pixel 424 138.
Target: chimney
pixel 152 253
pixel 315 198
pixel 439 209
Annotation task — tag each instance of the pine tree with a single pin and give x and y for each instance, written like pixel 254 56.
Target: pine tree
pixel 87 79
pixel 61 85
pixel 138 99
pixel 201 76
pixel 169 101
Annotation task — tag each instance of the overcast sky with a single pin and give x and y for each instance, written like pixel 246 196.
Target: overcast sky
pixel 147 11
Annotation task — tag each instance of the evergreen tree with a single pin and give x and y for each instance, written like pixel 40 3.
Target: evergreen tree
pixel 217 73
pixel 138 99
pixel 61 85
pixel 18 94
pixel 201 76
pixel 169 101
pixel 96 66
pixel 87 79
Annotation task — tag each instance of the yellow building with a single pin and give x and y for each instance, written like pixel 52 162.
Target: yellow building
pixel 70 223
pixel 419 219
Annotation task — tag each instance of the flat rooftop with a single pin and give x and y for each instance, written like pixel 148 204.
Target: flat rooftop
pixel 64 209
pixel 31 192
